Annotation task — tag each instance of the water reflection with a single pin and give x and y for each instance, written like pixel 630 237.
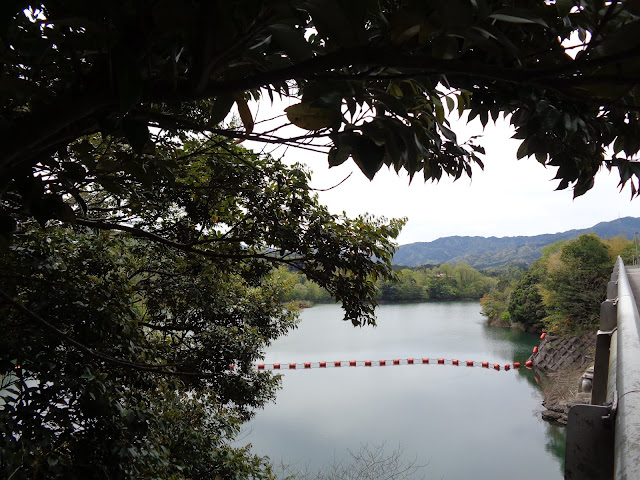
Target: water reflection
pixel 461 422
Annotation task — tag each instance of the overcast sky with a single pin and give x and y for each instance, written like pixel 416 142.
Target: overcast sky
pixel 509 197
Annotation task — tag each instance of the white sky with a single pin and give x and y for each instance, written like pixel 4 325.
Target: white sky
pixel 508 198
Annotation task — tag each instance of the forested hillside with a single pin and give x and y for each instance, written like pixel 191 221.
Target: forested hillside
pixel 482 252
pixel 562 290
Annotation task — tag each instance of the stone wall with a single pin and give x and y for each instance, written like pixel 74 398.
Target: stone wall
pixel 562 363
pixel 565 353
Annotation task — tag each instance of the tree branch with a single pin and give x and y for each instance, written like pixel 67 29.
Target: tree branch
pixel 166 328
pixel 139 233
pixel 145 367
pixel 68 117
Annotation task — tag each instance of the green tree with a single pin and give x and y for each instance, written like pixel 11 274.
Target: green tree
pixel 135 328
pixel 525 302
pixel 446 282
pixel 628 255
pixel 621 246
pixel 441 288
pixel 470 282
pixel 389 292
pixel 305 290
pixel 112 119
pixel 577 283
pixel 494 304
pixel 121 359
pixel 378 79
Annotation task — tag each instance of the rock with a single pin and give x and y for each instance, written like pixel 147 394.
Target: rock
pixel 562 409
pixel 556 417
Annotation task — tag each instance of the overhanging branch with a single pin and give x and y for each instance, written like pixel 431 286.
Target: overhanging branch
pixel 184 247
pixel 145 367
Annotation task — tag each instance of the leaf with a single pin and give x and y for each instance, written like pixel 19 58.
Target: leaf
pixel 484 118
pixel 365 152
pixel 351 105
pixel 462 104
pixel 395 90
pixel 618 145
pixel 337 156
pixel 439 109
pixel 220 108
pixel 80 201
pixel 523 150
pixel 292 41
pixel 343 144
pixel 136 132
pixel 393 144
pixel 305 116
pixel 448 133
pixel 479 149
pixel 368 156
pixel 64 212
pixel 583 187
pixel 451 104
pixel 393 104
pixel 517 15
pixel 245 113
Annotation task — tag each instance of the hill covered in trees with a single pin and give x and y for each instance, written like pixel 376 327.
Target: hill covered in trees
pixel 483 252
pixel 562 290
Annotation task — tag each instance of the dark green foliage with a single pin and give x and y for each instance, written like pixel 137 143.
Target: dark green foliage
pixel 126 322
pixel 494 304
pixel 525 303
pixel 630 254
pixel 578 283
pixel 441 289
pixel 445 282
pixel 561 291
pixel 129 377
pixel 149 273
pixel 378 79
pixel 302 289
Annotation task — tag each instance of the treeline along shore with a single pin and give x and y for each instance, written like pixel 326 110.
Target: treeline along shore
pixel 413 284
pixel 559 293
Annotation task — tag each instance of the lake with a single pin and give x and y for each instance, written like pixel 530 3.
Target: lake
pixel 454 423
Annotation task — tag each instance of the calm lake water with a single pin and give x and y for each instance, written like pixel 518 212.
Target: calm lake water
pixel 460 423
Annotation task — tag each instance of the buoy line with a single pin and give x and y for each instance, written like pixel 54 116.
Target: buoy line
pixel 384 363
pixel 396 362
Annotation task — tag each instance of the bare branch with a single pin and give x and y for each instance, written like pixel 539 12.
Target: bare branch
pixel 335 186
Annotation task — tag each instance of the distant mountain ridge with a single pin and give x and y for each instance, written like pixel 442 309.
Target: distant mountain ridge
pixel 485 252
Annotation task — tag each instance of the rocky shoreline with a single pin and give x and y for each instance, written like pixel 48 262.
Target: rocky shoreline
pixel 563 364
